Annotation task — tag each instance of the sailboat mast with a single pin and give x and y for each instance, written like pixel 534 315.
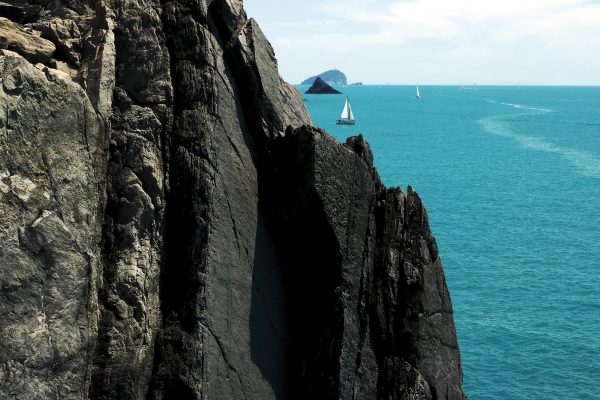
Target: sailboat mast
pixel 350 115
pixel 345 110
pixel 349 108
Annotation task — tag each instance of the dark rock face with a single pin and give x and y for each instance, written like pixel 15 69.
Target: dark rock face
pixel 332 77
pixel 320 87
pixel 378 321
pixel 12 12
pixel 171 227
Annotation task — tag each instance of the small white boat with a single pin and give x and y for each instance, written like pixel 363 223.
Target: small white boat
pixel 418 93
pixel 347 117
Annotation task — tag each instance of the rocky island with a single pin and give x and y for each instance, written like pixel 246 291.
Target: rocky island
pixel 331 77
pixel 320 87
pixel 172 227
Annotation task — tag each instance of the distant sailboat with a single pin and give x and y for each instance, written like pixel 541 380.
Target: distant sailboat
pixel 418 93
pixel 347 117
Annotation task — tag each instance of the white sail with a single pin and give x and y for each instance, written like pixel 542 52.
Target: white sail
pixel 346 108
pixel 347 117
pixel 418 94
pixel 350 114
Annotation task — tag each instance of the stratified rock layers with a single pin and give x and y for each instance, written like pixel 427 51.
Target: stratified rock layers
pixel 171 227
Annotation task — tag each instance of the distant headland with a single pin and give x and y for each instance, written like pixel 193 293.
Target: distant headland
pixel 331 77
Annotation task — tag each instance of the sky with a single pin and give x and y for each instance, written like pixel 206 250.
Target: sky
pixel 508 42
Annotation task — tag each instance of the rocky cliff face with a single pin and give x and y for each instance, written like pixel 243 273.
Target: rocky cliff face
pixel 171 227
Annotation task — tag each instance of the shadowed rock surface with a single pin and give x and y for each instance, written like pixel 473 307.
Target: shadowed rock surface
pixel 320 87
pixel 171 227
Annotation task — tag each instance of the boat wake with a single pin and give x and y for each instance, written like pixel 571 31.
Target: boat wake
pixel 521 106
pixel 586 163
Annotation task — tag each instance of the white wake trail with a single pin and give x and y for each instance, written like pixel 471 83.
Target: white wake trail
pixel 585 162
pixel 521 106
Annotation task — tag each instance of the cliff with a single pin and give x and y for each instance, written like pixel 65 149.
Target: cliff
pixel 320 87
pixel 171 227
pixel 332 77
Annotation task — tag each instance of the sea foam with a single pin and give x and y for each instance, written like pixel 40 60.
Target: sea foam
pixel 521 106
pixel 585 162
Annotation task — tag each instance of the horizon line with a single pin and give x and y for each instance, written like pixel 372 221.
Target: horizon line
pixel 471 85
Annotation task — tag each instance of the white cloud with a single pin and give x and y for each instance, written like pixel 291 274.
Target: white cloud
pixel 528 33
pixel 555 22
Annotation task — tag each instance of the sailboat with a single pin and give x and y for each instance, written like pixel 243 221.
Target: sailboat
pixel 347 117
pixel 418 93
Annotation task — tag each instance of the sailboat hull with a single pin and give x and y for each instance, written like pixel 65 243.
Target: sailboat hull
pixel 345 122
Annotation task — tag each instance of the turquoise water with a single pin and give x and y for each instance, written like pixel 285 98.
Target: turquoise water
pixel 511 180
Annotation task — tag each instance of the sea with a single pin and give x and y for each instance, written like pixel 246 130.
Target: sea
pixel 510 177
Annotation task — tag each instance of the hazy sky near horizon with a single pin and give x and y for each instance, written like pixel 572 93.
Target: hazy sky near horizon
pixel 508 42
